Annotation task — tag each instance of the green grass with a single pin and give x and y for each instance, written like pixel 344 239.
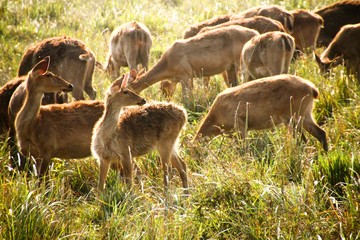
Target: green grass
pixel 267 187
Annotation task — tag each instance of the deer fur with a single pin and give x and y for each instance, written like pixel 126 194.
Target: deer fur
pixel 129 46
pixel 306 30
pixel 6 92
pixel 258 23
pixel 56 130
pixel 70 59
pixel 262 104
pixel 202 55
pixel 195 28
pixel 120 134
pixel 274 12
pixel 344 47
pixel 335 16
pixel 12 95
pixel 267 55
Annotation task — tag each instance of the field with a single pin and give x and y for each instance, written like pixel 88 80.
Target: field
pixel 269 186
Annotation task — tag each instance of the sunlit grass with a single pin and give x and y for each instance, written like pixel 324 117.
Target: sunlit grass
pixel 268 186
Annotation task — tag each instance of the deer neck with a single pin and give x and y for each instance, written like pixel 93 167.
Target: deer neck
pixel 157 73
pixel 109 120
pixel 28 113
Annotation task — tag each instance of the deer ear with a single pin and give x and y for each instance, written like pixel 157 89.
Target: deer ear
pixel 116 85
pixel 133 75
pixel 41 67
pixel 125 80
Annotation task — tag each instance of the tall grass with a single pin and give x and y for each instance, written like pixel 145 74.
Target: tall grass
pixel 269 186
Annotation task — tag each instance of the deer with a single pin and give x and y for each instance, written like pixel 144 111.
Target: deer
pixel 271 11
pixel 12 95
pixel 263 104
pixel 205 54
pixel 267 55
pixel 129 46
pixel 258 23
pixel 343 49
pixel 122 134
pixel 70 59
pixel 274 12
pixel 6 92
pixel 307 26
pixel 335 16
pixel 55 130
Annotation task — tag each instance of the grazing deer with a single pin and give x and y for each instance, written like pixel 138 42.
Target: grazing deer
pixel 337 15
pixel 274 12
pixel 258 23
pixel 262 104
pixel 306 30
pixel 70 59
pixel 205 54
pixel 129 46
pixel 267 55
pixel 122 134
pixel 344 48
pixel 56 130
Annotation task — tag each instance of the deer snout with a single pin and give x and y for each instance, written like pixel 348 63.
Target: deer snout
pixel 68 88
pixel 142 102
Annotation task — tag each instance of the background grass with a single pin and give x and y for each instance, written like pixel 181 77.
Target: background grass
pixel 266 187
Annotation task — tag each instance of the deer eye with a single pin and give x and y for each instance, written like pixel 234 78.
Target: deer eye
pixel 125 92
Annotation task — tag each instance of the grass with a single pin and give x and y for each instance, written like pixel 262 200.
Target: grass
pixel 269 186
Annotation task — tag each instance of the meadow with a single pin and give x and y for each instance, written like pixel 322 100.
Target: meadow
pixel 268 186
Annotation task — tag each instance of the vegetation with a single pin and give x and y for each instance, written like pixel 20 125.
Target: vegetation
pixel 268 186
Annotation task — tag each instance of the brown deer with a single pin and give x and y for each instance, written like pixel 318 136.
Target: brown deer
pixel 195 28
pixel 262 104
pixel 56 130
pixel 258 23
pixel 129 46
pixel 274 12
pixel 205 54
pixel 12 95
pixel 344 48
pixel 337 15
pixel 6 92
pixel 121 134
pixel 306 30
pixel 70 59
pixel 267 55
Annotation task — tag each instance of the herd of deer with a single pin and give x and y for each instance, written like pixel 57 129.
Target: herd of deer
pixel 257 44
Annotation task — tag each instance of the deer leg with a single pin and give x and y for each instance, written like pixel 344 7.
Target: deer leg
pixel 168 88
pixel 144 57
pixel 206 81
pixel 226 78
pixel 78 93
pixel 17 160
pixel 104 169
pixel 232 76
pixel 88 88
pixel 127 167
pixel 165 155
pixel 186 85
pixel 180 166
pixel 311 127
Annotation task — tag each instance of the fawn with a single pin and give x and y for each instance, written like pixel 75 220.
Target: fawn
pixel 122 134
